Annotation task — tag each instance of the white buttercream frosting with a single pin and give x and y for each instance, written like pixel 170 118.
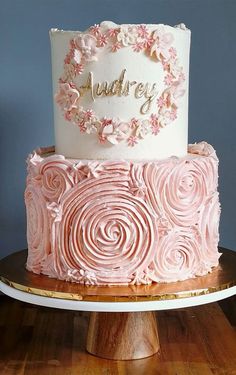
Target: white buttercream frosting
pixel 163 61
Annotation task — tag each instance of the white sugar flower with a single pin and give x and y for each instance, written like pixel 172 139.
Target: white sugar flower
pixel 127 35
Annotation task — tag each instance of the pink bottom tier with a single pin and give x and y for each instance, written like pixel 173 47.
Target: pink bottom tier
pixel 119 222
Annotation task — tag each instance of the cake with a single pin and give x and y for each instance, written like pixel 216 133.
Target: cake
pixel 122 198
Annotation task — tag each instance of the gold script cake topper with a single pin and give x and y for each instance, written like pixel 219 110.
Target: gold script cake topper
pixel 121 87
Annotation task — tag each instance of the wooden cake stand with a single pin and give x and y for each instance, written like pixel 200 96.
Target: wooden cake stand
pixel 122 323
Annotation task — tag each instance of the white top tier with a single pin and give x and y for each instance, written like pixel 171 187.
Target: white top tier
pixel 121 91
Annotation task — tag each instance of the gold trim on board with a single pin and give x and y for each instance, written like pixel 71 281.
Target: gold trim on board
pixel 14 274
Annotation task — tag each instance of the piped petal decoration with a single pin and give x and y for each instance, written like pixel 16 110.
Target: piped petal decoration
pixel 157 45
pixel 119 222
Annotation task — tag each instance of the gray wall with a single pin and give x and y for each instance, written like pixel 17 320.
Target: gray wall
pixel 26 119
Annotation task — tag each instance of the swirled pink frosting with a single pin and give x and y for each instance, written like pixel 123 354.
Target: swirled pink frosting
pixel 121 222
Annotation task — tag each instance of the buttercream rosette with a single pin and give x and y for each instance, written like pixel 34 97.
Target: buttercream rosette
pixel 119 222
pixel 177 188
pixel 179 257
pixel 38 228
pixel 105 232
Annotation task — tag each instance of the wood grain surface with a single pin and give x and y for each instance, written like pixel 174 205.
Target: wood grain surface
pixel 43 341
pixel 123 335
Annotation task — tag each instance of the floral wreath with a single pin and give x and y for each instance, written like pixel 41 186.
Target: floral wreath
pixel 83 49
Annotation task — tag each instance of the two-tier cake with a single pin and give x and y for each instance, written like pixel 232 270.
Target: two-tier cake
pixel 122 198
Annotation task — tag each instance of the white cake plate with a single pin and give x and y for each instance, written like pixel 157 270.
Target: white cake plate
pixel 122 325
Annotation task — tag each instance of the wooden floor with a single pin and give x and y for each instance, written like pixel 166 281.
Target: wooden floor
pixel 42 341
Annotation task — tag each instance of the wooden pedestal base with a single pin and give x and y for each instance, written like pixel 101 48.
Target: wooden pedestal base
pixel 122 335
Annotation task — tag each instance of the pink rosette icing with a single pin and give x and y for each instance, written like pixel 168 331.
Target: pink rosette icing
pixel 106 231
pixel 209 228
pixel 179 257
pixel 119 222
pixel 55 179
pixel 182 186
pixel 38 228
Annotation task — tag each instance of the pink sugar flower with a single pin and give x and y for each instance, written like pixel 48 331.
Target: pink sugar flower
pixel 82 126
pixel 153 119
pixel 168 80
pixel 155 129
pixel 173 115
pixel 137 47
pixel 79 69
pixel 86 43
pixel 106 121
pixel 88 114
pixel 116 46
pixel 68 58
pixel 161 102
pixel 149 42
pixel 112 33
pixel 134 123
pixel 102 40
pixel 67 96
pixel 166 66
pixel 95 29
pixel 142 31
pixel 173 52
pixel 132 141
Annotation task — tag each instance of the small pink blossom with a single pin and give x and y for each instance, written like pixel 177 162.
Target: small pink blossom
pixel 86 43
pixel 82 126
pixel 79 69
pixel 88 114
pixel 134 123
pixel 102 40
pixel 161 102
pixel 155 129
pixel 116 46
pixel 149 42
pixel 132 141
pixel 68 57
pixel 173 52
pixel 154 119
pixel 95 29
pixel 168 80
pixel 67 96
pixel 106 121
pixel 142 31
pixel 112 33
pixel 137 47
pixel 166 65
pixel 173 115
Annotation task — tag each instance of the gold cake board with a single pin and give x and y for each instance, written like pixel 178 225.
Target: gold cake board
pixel 122 324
